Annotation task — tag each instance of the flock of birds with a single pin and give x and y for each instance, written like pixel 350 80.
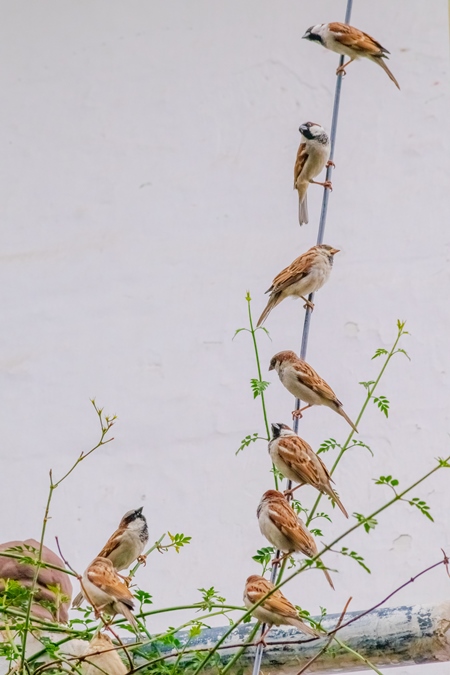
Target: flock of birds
pixel 103 586
pixel 290 454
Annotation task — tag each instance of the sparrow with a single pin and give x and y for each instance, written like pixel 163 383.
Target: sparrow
pixel 102 657
pixel 349 41
pixel 313 155
pixel 304 383
pixel 305 275
pixel 281 526
pixel 125 545
pixel 275 610
pixel 104 589
pixel 298 462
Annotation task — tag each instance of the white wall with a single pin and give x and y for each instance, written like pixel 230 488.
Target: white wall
pixel 147 152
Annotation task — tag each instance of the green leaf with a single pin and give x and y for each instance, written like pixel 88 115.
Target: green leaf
pixel 329 444
pixel 368 384
pixel 178 541
pixel 265 330
pixel 322 514
pixel 239 330
pixel 316 532
pixel 379 352
pixel 443 463
pixel 210 597
pixel 258 387
pixel 382 403
pixel 355 556
pixel 386 480
pixel 403 351
pixel 298 507
pixel 278 475
pixel 360 444
pixel 263 556
pixel 422 506
pixel 251 438
pixel 369 523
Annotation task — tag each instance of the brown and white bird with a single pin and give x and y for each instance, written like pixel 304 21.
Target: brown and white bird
pixel 305 275
pixel 125 545
pixel 275 610
pixel 313 155
pixel 304 383
pixel 105 590
pixel 349 41
pixel 102 657
pixel 298 462
pixel 281 526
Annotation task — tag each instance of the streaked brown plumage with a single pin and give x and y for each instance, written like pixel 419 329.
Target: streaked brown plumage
pixel 312 157
pixel 298 462
pixel 282 527
pixel 304 383
pixel 307 274
pixel 106 592
pixel 275 610
pixel 349 41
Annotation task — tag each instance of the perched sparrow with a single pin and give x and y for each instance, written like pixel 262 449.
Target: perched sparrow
pixel 349 41
pixel 305 275
pixel 106 592
pixel 276 609
pixel 125 545
pixel 312 155
pixel 298 462
pixel 282 527
pixel 102 657
pixel 304 383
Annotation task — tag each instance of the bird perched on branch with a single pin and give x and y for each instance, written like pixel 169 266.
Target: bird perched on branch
pixel 304 383
pixel 104 589
pixel 275 610
pixel 125 545
pixel 298 462
pixel 313 155
pixel 305 275
pixel 349 41
pixel 281 526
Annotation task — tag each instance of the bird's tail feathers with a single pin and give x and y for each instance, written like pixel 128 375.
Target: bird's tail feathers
pixel 325 571
pixel 274 300
pixel 343 414
pixel 304 627
pixel 303 210
pixel 128 615
pixel 381 62
pixel 331 493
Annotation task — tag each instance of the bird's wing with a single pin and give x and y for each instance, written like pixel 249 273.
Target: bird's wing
pixel 294 272
pixel 356 39
pixel 300 161
pixel 107 579
pixel 278 604
pixel 112 543
pixel 308 376
pixel 299 457
pixel 256 589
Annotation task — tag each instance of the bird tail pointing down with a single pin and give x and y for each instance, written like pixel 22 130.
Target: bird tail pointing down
pixel 301 625
pixel 382 63
pixel 274 300
pixel 331 493
pixel 302 210
pixel 342 412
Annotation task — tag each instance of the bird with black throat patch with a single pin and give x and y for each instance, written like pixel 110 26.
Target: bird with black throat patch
pixel 349 41
pixel 125 545
pixel 304 383
pixel 307 274
pixel 313 155
pixel 298 462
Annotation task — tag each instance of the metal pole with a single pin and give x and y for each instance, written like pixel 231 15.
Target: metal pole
pixel 307 320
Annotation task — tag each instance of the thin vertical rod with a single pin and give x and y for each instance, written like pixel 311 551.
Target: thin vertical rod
pixel 307 321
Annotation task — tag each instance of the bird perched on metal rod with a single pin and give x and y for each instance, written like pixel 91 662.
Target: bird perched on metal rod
pixel 304 383
pixel 312 156
pixel 274 610
pixel 298 462
pixel 305 275
pixel 281 526
pixel 349 41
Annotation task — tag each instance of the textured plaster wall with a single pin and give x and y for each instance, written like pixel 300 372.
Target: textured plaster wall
pixel 147 152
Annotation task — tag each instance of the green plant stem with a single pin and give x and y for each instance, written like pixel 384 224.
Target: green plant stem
pixel 52 488
pixel 239 653
pixel 282 582
pixel 358 419
pixel 358 656
pixel 147 553
pixel 44 565
pixel 258 367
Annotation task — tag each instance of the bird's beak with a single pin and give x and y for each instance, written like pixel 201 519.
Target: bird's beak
pixel 302 128
pixel 140 510
pixel 306 35
pixel 271 367
pixel 335 250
